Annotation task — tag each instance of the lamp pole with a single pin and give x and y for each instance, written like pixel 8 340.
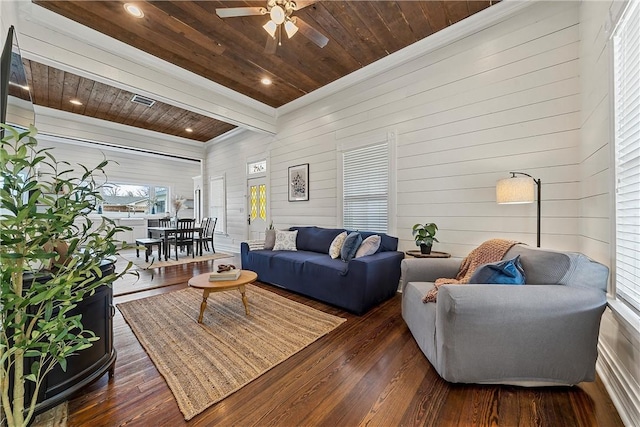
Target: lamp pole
pixel 539 184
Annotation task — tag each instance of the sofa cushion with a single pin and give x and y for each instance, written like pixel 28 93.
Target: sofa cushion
pixel 541 266
pixel 285 240
pixel 387 243
pixel 350 246
pixel 369 246
pixel 336 245
pixel 505 272
pixel 270 239
pixel 315 239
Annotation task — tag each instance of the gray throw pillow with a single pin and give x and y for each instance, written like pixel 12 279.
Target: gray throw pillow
pixel 350 246
pixel 270 239
pixel 285 240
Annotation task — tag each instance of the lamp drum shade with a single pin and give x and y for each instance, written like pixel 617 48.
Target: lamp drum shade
pixel 515 190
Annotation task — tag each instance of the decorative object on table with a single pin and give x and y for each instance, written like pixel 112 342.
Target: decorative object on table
pixel 153 201
pixel 178 203
pixel 225 267
pixel 286 327
pixel 225 272
pixel 227 275
pixel 39 330
pixel 518 190
pixel 299 183
pixel 425 235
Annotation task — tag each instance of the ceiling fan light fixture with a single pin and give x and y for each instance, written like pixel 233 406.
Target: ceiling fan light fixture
pixel 270 27
pixel 277 14
pixel 290 28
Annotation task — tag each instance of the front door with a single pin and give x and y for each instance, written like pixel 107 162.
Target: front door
pixel 257 207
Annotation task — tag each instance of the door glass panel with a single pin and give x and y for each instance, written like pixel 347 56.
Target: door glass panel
pixel 253 197
pixel 263 201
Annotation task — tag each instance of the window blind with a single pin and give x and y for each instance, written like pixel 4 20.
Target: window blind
pixel 627 148
pixel 217 204
pixel 366 188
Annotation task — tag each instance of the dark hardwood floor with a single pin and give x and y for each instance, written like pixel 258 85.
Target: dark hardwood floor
pixel 369 371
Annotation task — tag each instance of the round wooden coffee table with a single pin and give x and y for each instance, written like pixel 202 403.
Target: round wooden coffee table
pixel 201 281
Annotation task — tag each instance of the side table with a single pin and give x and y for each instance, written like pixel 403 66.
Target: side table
pixel 433 254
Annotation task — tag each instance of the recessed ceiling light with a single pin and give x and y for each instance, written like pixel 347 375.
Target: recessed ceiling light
pixel 75 102
pixel 266 81
pixel 189 130
pixel 133 10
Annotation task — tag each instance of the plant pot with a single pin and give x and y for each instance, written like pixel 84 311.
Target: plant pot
pixel 425 249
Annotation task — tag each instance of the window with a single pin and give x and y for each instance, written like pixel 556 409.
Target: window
pixel 217 204
pixel 259 167
pixel 627 150
pixel 143 199
pixel 366 188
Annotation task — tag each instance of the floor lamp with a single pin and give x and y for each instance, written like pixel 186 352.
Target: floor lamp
pixel 517 190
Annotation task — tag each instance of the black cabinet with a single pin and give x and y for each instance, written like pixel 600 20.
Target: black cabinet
pixel 90 364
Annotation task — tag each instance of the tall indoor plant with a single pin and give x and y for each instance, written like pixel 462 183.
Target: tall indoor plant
pixel 44 212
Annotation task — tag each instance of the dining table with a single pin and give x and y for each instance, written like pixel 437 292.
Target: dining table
pixel 165 234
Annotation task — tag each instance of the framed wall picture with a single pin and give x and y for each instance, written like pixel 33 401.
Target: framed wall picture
pixel 299 183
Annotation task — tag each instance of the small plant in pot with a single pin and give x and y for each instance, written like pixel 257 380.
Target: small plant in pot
pixel 424 235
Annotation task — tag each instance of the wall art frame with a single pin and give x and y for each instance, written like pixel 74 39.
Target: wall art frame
pixel 299 183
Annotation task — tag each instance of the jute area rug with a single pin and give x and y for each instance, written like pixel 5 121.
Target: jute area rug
pixel 203 363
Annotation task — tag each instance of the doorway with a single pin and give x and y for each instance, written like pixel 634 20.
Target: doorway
pixel 257 207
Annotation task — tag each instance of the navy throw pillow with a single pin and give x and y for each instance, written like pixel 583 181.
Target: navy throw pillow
pixel 350 246
pixel 506 272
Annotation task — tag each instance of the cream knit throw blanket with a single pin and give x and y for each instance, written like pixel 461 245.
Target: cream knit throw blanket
pixel 490 251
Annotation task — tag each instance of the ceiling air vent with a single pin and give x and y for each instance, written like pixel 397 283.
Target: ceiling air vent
pixel 142 100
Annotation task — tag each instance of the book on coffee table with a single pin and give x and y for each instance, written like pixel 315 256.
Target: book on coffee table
pixel 225 275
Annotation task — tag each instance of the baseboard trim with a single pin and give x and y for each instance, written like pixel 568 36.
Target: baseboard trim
pixel 622 388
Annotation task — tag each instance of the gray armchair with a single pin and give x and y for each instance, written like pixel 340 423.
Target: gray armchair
pixel 538 334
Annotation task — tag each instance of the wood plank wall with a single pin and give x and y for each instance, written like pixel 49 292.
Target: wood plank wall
pixel 506 98
pixel 619 344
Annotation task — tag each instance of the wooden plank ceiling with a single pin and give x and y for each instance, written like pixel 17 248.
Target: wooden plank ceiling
pixel 231 51
pixel 56 89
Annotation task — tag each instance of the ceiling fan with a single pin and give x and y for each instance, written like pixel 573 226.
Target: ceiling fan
pixel 281 14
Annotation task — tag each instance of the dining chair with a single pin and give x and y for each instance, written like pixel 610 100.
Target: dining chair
pixel 184 236
pixel 200 236
pixel 208 237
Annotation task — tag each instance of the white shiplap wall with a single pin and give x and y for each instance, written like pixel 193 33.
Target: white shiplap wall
pixel 619 345
pixel 506 98
pixel 126 166
pixel 228 157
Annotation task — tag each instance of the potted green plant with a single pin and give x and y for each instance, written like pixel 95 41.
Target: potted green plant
pixel 424 235
pixel 51 255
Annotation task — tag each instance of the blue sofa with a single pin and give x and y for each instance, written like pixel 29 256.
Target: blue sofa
pixel 356 286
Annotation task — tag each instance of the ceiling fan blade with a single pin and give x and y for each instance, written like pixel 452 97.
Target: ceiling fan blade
pixel 311 33
pixel 301 4
pixel 232 12
pixel 272 44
